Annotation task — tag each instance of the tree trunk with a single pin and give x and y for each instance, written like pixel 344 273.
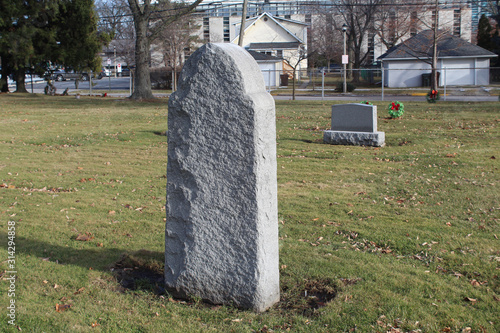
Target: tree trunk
pixel 142 79
pixel 4 85
pixel 20 81
pixel 293 83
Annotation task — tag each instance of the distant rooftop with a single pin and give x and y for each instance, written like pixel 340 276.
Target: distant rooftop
pixel 274 46
pixel 448 46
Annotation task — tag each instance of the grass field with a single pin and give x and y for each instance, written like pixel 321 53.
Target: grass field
pixel 394 239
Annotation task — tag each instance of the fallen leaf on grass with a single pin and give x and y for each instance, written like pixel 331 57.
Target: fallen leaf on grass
pixel 236 320
pixel 62 307
pixel 472 300
pixel 95 324
pixel 79 291
pixel 475 283
pixel 84 237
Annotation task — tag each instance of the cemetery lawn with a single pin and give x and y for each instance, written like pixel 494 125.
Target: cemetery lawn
pixel 402 238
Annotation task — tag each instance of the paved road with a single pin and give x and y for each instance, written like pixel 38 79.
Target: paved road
pixel 402 98
pixel 107 83
pixel 120 87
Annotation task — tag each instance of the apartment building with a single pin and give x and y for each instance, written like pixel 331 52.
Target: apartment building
pixel 220 21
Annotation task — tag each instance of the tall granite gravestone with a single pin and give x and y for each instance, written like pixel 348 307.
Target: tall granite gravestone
pixel 221 237
pixel 354 124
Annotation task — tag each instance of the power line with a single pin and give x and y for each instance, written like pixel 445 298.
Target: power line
pixel 282 6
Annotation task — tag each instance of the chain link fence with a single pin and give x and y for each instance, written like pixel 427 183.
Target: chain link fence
pixel 451 80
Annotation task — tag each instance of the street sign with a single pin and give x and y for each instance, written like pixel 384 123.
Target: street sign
pixel 345 59
pixel 109 62
pixel 119 68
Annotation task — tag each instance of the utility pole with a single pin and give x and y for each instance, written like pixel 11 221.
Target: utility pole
pixel 345 57
pixel 434 80
pixel 243 19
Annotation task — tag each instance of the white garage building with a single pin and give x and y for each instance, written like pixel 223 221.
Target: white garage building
pixel 459 62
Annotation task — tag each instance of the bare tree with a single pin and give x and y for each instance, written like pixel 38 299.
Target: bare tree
pixel 174 40
pixel 116 19
pixel 492 7
pixel 396 20
pixel 437 35
pixel 360 17
pixel 294 60
pixel 325 40
pixel 150 18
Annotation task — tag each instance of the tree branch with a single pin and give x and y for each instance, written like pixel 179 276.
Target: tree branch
pixel 159 26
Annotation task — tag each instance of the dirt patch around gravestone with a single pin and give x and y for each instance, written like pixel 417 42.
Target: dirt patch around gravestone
pixel 307 297
pixel 144 271
pixel 141 270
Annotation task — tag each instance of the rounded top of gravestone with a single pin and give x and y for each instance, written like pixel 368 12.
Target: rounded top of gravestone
pixel 220 67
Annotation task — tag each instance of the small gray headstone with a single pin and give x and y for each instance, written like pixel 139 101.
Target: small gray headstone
pixel 221 235
pixel 354 124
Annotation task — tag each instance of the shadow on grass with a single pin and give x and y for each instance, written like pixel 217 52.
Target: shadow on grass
pixel 143 270
pixel 140 270
pixel 159 133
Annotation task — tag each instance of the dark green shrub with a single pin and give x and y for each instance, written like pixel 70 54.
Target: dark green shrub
pixel 340 87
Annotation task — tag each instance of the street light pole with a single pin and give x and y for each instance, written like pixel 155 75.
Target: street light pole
pixel 114 51
pixel 344 57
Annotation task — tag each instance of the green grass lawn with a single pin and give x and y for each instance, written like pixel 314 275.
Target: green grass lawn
pixel 394 239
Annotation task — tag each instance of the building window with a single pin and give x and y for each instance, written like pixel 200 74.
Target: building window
pixel 371 48
pixel 279 53
pixel 206 29
pixel 457 22
pixel 226 29
pixel 308 18
pixel 413 23
pixel 435 19
pixel 392 27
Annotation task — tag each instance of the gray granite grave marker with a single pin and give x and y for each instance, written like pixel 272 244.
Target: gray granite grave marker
pixel 354 124
pixel 221 235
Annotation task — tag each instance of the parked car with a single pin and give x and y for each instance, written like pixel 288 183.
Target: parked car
pixel 63 75
pixel 125 72
pixel 333 68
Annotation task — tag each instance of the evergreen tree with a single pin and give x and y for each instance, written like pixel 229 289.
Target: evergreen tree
pixel 36 33
pixel 484 34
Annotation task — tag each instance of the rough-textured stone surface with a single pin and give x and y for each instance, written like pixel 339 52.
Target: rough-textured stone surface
pixel 221 237
pixel 376 139
pixel 354 117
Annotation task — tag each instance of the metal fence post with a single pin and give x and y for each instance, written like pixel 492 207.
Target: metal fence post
pixel 383 78
pixel 322 85
pixel 444 79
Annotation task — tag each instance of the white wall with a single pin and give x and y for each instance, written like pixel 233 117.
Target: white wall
pixel 271 77
pixel 457 72
pixel 483 73
pixel 453 72
pixel 405 73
